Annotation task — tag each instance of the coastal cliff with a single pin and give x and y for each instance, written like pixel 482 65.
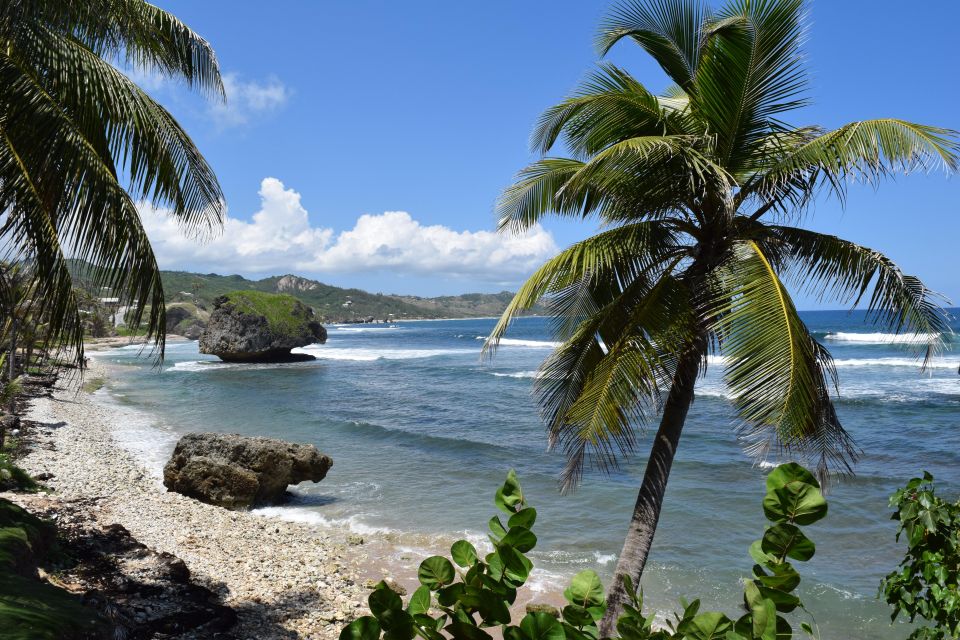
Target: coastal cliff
pixel 252 326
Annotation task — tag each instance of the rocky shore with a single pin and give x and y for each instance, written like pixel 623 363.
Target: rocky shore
pixel 284 579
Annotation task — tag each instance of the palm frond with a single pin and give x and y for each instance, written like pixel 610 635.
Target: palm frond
pixel 831 267
pixel 610 106
pixel 866 151
pixel 775 370
pixel 142 34
pixel 751 73
pixel 606 380
pixel 613 258
pixel 671 31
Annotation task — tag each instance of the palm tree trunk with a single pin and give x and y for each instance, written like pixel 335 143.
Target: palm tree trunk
pixel 646 512
pixel 12 371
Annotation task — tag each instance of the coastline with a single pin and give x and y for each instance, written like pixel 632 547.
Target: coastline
pixel 285 579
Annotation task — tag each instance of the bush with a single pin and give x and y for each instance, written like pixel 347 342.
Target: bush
pixel 925 584
pixel 464 597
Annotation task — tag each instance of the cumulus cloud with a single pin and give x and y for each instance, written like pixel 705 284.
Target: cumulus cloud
pixel 281 239
pixel 247 100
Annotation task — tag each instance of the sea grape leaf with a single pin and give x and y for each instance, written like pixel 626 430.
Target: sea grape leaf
pixel 509 496
pixel 383 599
pixel 436 572
pixel 787 541
pixel 585 589
pixel 363 628
pixel 466 631
pixel 790 473
pixel 464 553
pixel 419 601
pixel 541 626
pixel 795 502
pixel 523 518
pixel 520 538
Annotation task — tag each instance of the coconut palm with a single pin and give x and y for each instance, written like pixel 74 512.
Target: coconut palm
pixel 80 144
pixel 696 191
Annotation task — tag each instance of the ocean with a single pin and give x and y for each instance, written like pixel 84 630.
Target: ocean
pixel 422 431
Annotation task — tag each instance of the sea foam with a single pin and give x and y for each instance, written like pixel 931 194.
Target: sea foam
pixel 880 338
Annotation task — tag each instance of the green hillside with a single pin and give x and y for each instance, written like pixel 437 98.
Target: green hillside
pixel 334 304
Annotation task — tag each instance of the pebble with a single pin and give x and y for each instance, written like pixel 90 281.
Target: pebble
pixel 219 547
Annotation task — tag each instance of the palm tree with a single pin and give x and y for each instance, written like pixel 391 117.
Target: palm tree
pixel 80 143
pixel 695 190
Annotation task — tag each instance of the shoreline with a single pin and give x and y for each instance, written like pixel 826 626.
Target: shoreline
pixel 285 579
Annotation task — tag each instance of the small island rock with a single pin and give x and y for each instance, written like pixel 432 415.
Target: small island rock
pixel 236 472
pixel 253 326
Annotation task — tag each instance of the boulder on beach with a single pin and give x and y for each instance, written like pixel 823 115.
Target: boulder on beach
pixel 237 472
pixel 253 326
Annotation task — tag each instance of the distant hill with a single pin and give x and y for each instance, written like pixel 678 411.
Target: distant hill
pixel 335 304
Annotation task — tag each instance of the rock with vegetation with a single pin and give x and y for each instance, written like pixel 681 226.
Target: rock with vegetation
pixel 237 472
pixel 186 319
pixel 253 326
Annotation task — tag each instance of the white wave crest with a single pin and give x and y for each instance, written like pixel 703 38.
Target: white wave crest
pixel 880 338
pixel 515 374
pixel 531 344
pixel 369 355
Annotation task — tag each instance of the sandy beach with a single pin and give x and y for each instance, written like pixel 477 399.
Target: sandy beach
pixel 284 579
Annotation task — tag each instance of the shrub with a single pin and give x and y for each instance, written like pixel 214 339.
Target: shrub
pixel 463 597
pixel 925 584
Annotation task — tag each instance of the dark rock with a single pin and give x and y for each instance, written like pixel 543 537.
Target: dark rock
pixel 234 471
pixel 539 607
pixel 253 326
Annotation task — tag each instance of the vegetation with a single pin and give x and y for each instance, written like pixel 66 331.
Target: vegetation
pixel 335 304
pixel 284 313
pixel 696 189
pixel 926 583
pixel 63 99
pixel 31 609
pixel 470 594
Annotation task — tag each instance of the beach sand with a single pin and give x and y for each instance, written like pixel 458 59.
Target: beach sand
pixel 285 579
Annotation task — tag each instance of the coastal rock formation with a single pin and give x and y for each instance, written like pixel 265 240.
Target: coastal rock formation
pixel 186 319
pixel 236 472
pixel 253 326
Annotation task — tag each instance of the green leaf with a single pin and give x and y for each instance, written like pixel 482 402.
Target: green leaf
pixel 509 496
pixel 523 518
pixel 448 596
pixel 796 502
pixel 520 538
pixel 541 626
pixel 497 528
pixel 363 628
pixel 461 630
pixel 436 572
pixel 789 473
pixel 763 613
pixel 711 625
pixel 383 599
pixel 464 553
pixel 787 541
pixel 516 566
pixel 585 590
pixel 419 601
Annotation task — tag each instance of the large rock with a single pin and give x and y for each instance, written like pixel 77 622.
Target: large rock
pixel 237 472
pixel 253 326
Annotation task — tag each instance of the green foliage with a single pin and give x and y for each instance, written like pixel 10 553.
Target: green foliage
pixel 925 584
pixel 30 608
pixel 464 598
pixel 285 314
pixel 12 477
pixel 64 98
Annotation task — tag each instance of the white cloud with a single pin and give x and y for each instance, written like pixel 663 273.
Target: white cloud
pixel 247 100
pixel 280 239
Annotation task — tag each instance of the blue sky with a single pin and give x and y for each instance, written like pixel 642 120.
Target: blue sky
pixel 342 111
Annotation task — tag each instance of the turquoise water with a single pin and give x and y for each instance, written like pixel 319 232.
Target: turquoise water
pixel 422 432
